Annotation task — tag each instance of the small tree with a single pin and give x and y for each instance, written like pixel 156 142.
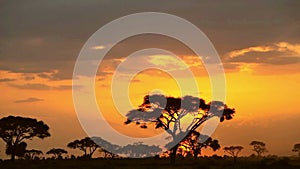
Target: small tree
pixel 297 148
pixel 87 145
pixel 15 130
pixel 57 152
pixel 32 154
pixel 259 147
pixel 233 151
pixel 105 147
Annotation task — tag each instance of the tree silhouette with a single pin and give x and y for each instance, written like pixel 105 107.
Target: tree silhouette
pixel 259 147
pixel 87 145
pixel 139 150
pixel 233 151
pixel 15 130
pixel 32 154
pixel 57 152
pixel 167 113
pixel 104 146
pixel 195 142
pixel 297 148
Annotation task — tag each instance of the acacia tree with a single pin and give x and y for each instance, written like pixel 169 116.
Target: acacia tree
pixel 15 130
pixel 87 145
pixel 32 154
pixel 104 146
pixel 167 114
pixel 233 151
pixel 57 152
pixel 297 148
pixel 195 142
pixel 259 147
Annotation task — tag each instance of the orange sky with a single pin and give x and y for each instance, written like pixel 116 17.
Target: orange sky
pixel 266 104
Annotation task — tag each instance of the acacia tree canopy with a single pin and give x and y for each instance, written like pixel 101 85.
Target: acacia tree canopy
pixel 166 112
pixel 233 151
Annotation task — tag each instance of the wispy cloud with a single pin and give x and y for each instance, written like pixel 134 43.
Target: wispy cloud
pixel 237 53
pixel 100 47
pixel 281 53
pixel 29 100
pixel 167 61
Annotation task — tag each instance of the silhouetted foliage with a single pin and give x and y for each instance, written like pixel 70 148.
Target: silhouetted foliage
pixel 15 130
pixel 32 154
pixel 166 113
pixel 87 145
pixel 259 147
pixel 139 150
pixel 297 148
pixel 57 152
pixel 195 142
pixel 233 151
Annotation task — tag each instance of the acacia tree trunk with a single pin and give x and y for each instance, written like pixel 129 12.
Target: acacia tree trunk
pixel 234 159
pixel 12 156
pixel 173 154
pixel 195 155
pixel 12 152
pixel 258 154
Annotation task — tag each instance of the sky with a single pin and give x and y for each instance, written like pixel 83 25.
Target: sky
pixel 257 41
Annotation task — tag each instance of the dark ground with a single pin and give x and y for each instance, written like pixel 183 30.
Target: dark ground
pixel 156 163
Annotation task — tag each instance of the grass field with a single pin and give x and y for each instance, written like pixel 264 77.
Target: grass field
pixel 156 163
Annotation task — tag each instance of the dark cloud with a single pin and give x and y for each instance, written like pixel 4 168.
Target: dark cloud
pixel 46 36
pixel 39 86
pixel 29 100
pixel 31 86
pixel 67 87
pixel 230 66
pixel 135 80
pixel 28 77
pixel 101 79
pixel 7 80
